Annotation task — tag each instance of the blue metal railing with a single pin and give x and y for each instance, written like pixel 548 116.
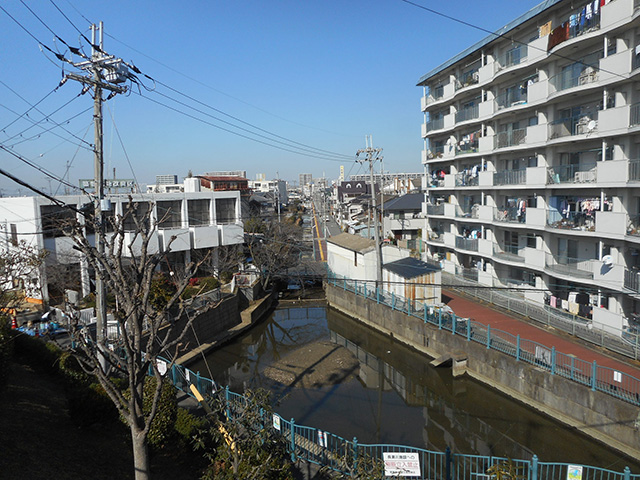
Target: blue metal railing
pixel 341 455
pixel 604 379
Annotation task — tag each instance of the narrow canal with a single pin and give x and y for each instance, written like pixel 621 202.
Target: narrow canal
pixel 397 398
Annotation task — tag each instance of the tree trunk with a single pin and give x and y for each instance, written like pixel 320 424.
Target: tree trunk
pixel 140 455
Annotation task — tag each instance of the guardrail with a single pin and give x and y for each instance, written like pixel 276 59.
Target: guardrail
pixel 604 379
pixel 324 448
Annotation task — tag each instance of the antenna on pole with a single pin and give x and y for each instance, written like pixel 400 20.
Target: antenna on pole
pixel 372 155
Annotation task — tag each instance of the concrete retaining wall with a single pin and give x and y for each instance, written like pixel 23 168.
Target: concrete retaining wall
pixel 601 416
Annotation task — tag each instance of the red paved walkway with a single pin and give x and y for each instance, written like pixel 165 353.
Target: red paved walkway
pixel 480 313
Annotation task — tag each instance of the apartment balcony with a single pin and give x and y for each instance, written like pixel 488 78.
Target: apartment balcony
pixel 436 237
pixel 469 244
pixel 570 267
pixel 570 79
pixel 508 215
pixel 634 114
pixel 231 234
pixel 510 138
pixel 632 280
pixel 510 99
pixel 633 225
pixel 616 65
pixel 538 91
pixel 468 147
pixel 572 174
pixel 578 221
pixel 406 223
pixel 510 253
pixel 634 170
pixel 616 172
pixel 466 179
pixel 472 212
pixel 469 113
pixel 567 127
pixel 435 124
pixel 435 209
pixel 510 177
pixel 174 239
pixel 467 79
pixel 204 236
pixel 511 58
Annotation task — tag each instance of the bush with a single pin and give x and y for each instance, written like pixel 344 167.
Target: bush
pixel 201 285
pixel 37 353
pixel 188 425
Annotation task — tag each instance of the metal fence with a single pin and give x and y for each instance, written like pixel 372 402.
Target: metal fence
pixel 324 448
pixel 598 378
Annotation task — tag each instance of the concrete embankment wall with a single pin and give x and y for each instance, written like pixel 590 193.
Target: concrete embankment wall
pixel 601 416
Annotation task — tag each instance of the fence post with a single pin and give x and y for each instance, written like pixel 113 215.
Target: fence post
pixel 355 454
pixel 365 290
pixel 453 323
pixel 440 319
pixel 518 348
pixel 553 360
pixel 377 294
pixel 292 444
pixel 198 381
pixel 393 300
pixel 447 464
pixel 488 337
pixel 226 399
pixel 425 312
pixel 468 329
pixel 355 286
pixel 345 283
pixel 627 473
pixel 409 306
pixel 573 361
pixel 594 373
pixel 534 468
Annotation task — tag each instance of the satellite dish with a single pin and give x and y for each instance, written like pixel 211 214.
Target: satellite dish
pixel 607 260
pixel 591 125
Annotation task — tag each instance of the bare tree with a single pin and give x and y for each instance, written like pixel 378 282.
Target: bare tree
pixel 150 325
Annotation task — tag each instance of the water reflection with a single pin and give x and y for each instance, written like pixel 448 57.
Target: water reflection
pixel 397 397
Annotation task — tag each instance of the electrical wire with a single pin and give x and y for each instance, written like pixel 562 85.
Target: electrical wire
pixel 95 47
pixel 122 145
pixel 232 132
pixel 31 107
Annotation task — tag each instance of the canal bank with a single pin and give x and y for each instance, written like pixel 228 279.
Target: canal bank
pixel 594 413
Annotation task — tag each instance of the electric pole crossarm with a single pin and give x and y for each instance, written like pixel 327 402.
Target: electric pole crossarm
pixel 96 83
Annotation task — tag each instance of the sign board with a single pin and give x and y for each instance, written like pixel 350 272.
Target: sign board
pixel 109 183
pixel 401 464
pixel 322 438
pixel 276 422
pixel 574 472
pixel 162 367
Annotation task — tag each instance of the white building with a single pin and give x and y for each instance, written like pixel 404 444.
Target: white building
pixel 198 221
pixel 531 144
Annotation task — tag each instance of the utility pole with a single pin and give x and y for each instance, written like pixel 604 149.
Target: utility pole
pixel 278 194
pixel 373 155
pixel 103 72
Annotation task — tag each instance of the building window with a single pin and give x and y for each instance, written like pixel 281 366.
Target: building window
pixel 225 210
pixel 56 220
pixel 355 259
pixel 135 212
pixel 169 214
pixel 199 211
pixel 14 234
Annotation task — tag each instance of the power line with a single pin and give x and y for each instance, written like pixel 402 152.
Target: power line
pixel 31 107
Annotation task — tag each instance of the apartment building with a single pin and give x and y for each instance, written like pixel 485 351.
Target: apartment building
pixel 531 159
pixel 186 224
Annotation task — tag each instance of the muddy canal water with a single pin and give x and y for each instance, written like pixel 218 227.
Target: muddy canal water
pixel 397 398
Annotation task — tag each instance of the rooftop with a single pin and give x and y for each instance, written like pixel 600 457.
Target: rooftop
pixel 410 267
pixel 355 243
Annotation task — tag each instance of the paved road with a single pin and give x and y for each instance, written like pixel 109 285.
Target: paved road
pixel 564 343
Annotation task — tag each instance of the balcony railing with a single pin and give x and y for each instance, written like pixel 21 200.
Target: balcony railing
pixel 511 98
pixel 435 209
pixel 634 117
pixel 436 237
pixel 468 113
pixel 510 177
pixel 470 146
pixel 570 220
pixel 566 127
pixel 515 56
pixel 468 78
pixel 575 267
pixel 466 179
pixel 468 212
pixel 511 253
pixel 634 170
pixel 572 174
pixel 508 215
pixel 470 244
pixel 633 225
pixel 632 280
pixel 569 78
pixel 510 138
pixel 435 124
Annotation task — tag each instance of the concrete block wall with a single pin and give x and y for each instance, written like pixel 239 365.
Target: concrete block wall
pixel 601 416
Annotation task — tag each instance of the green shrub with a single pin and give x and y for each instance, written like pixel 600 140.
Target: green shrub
pixel 37 353
pixel 89 404
pixel 188 425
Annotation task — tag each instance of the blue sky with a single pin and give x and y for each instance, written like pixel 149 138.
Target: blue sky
pixel 323 74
